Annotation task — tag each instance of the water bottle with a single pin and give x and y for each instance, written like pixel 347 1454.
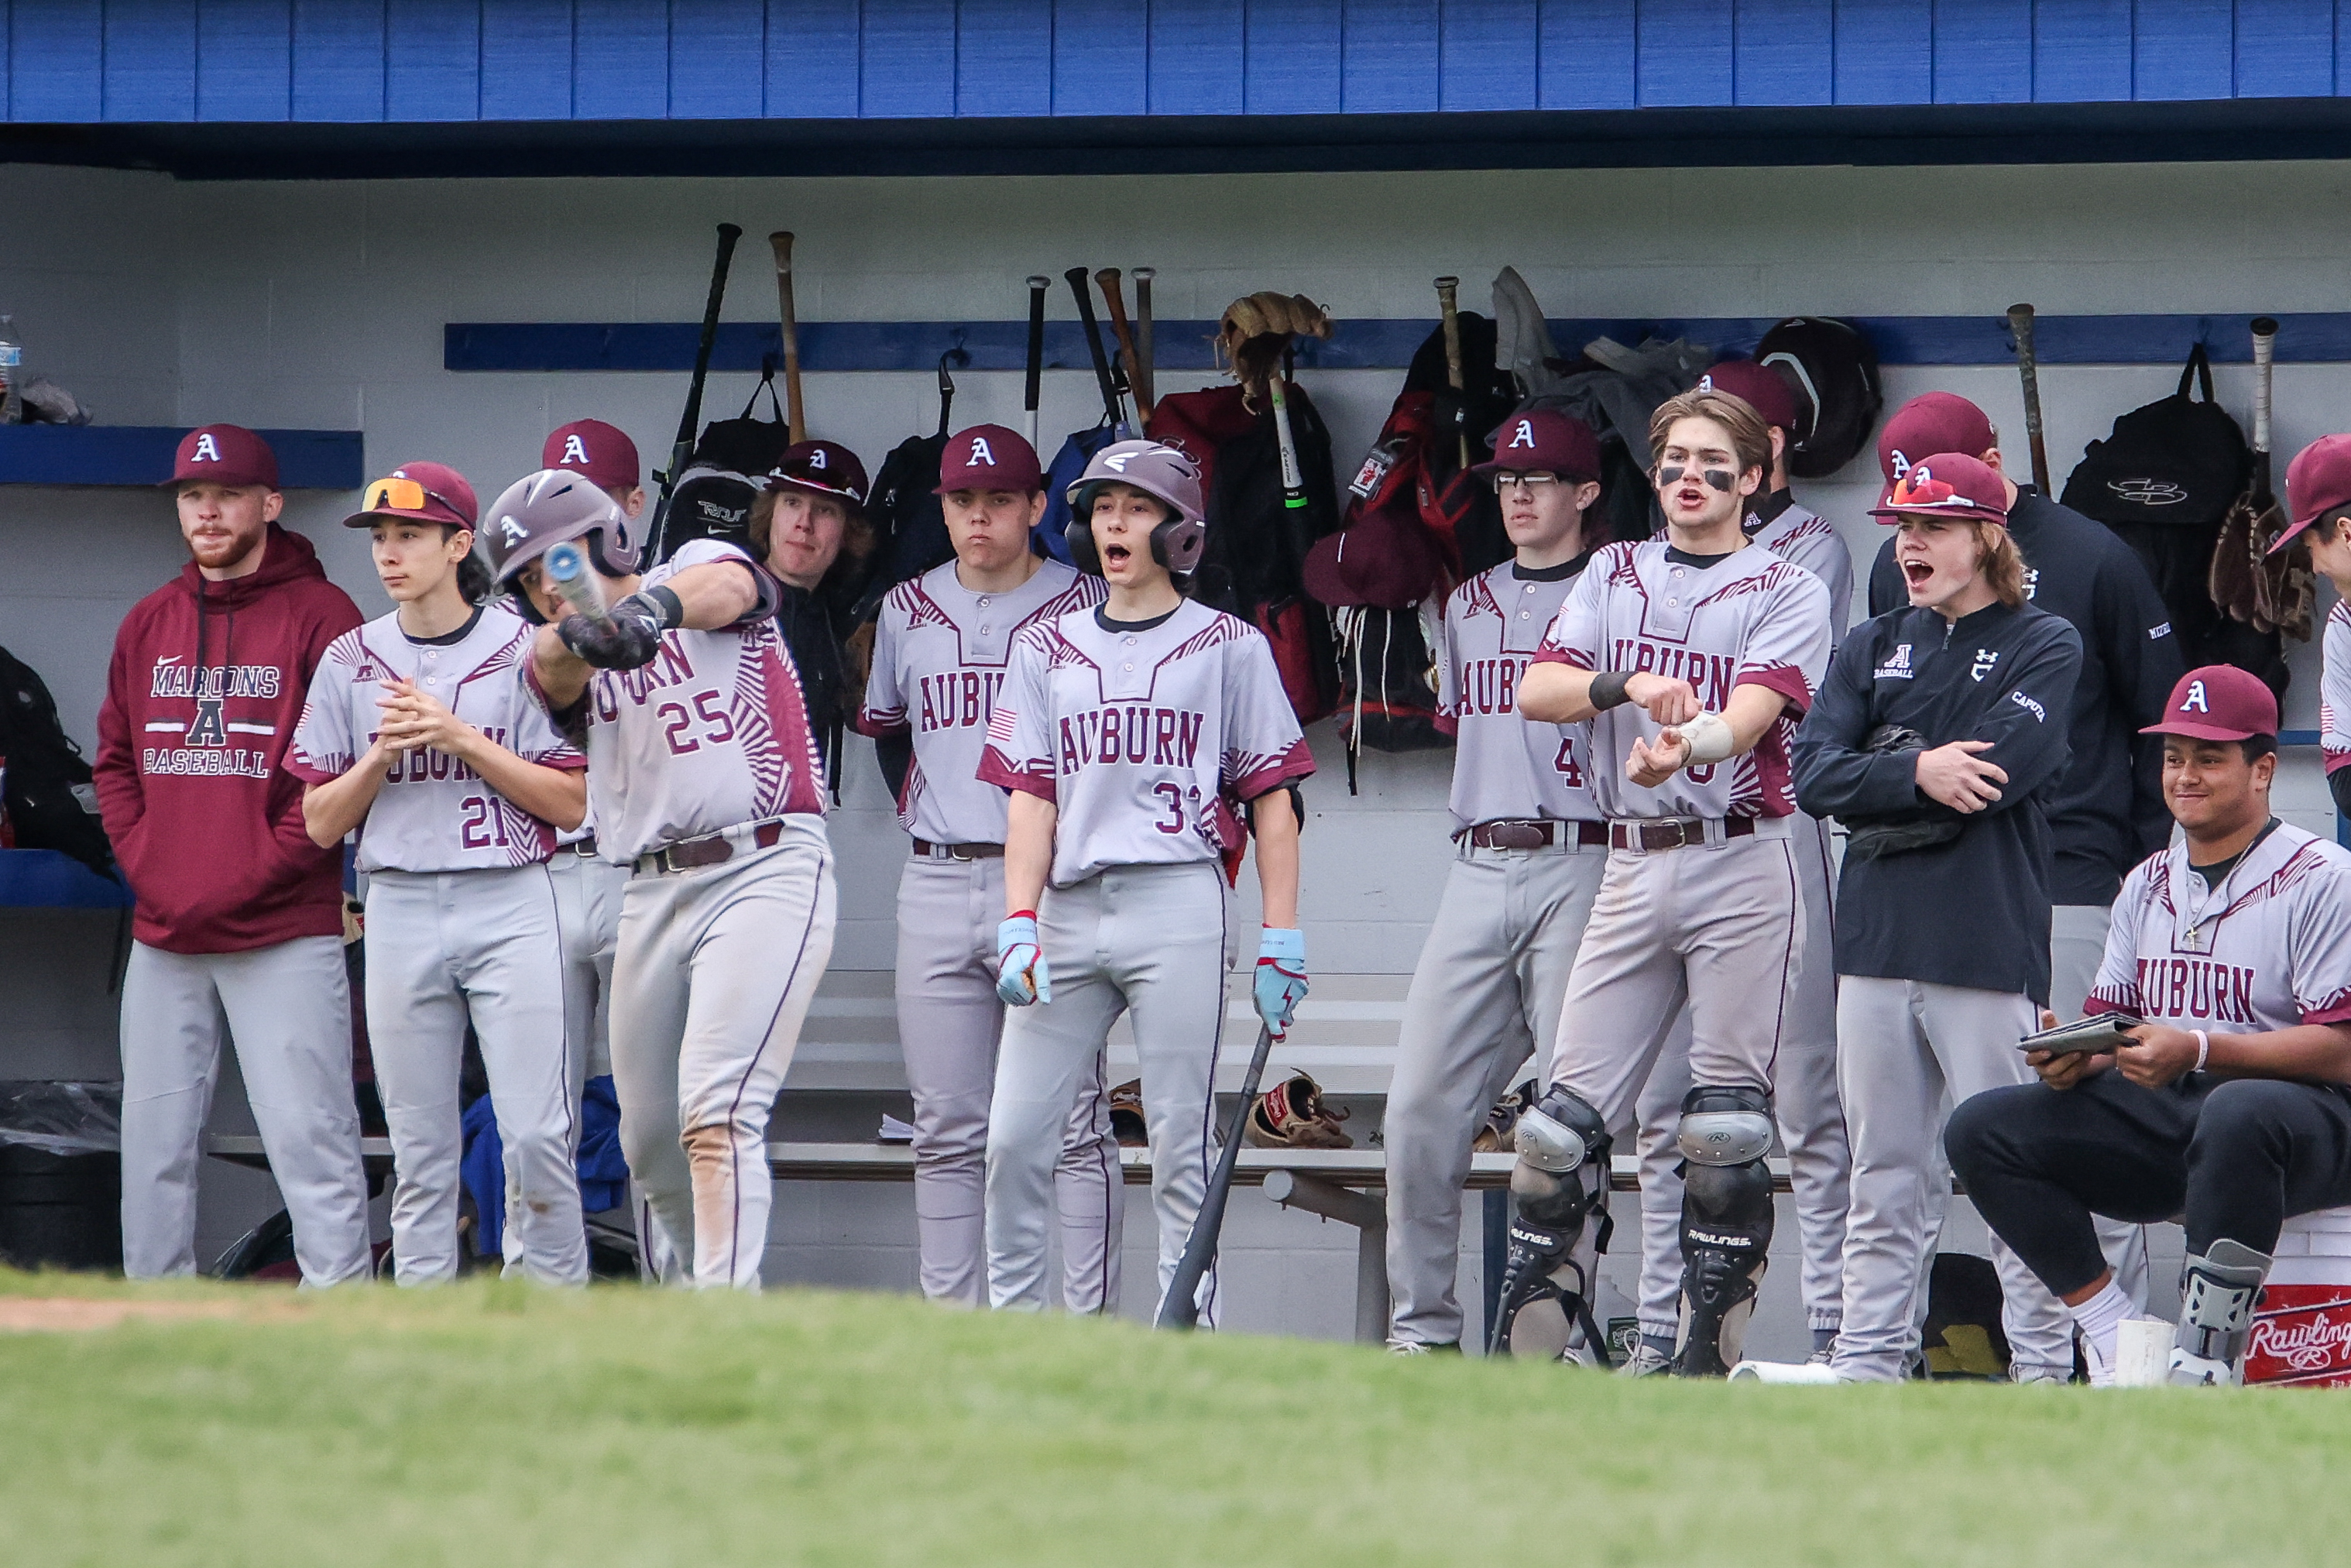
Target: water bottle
pixel 12 373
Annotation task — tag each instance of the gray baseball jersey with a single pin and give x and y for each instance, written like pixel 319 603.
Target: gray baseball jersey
pixel 1746 619
pixel 1507 767
pixel 2267 950
pixel 939 657
pixel 1144 738
pixel 433 813
pixel 712 735
pixel 1793 533
pixel 2334 689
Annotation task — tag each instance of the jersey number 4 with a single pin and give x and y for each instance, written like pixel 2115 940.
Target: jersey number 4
pixel 1569 771
pixel 676 723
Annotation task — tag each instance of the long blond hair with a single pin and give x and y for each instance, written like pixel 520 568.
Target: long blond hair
pixel 2002 562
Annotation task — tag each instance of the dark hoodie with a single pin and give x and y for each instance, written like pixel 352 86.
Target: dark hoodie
pixel 207 821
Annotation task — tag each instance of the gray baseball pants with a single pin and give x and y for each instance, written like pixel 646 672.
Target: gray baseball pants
pixel 2077 946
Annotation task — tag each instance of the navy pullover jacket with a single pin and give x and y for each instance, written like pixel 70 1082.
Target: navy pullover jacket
pixel 1973 911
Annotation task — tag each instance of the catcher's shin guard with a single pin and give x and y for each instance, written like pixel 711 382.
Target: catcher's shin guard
pixel 2216 1317
pixel 1727 1215
pixel 1561 1178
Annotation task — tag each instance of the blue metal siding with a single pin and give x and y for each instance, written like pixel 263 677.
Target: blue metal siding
pixel 421 61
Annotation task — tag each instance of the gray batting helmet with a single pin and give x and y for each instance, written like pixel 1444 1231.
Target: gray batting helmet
pixel 1164 473
pixel 548 507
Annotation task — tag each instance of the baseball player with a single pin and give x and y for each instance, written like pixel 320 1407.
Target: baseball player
pixel 2227 971
pixel 1938 739
pixel 1692 656
pixel 1803 1079
pixel 1130 734
pixel 240 917
pixel 2318 484
pixel 940 651
pixel 1530 845
pixel 808 527
pixel 419 734
pixel 704 779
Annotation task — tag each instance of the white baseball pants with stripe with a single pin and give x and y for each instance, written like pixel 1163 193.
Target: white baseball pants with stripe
pixel 1148 941
pixel 949 1021
pixel 715 971
pixel 442 946
pixel 287 1007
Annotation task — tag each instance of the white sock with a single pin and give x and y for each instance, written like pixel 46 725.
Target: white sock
pixel 2099 1318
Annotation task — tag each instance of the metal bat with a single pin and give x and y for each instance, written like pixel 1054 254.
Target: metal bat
pixel 1107 281
pixel 1112 413
pixel 1145 387
pixel 567 571
pixel 780 241
pixel 1181 1309
pixel 1293 482
pixel 1038 284
pixel 2019 321
pixel 681 452
pixel 1448 292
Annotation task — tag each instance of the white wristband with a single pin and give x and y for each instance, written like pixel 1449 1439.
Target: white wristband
pixel 1708 737
pixel 2203 1050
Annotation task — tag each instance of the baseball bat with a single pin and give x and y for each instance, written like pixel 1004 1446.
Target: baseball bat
pixel 1107 280
pixel 689 426
pixel 1293 482
pixel 1144 385
pixel 1447 301
pixel 1038 285
pixel 2265 355
pixel 567 568
pixel 780 241
pixel 1181 1309
pixel 1076 277
pixel 2019 321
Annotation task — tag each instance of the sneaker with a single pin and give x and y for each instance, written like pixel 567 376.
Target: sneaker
pixel 1645 1360
pixel 1416 1347
pixel 2202 1372
pixel 1126 1123
pixel 1291 1115
pixel 2025 1372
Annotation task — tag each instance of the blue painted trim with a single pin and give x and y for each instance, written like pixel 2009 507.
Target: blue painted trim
pixel 142 454
pixel 2322 338
pixel 46 878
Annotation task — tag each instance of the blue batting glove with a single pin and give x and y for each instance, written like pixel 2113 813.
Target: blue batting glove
pixel 1281 978
pixel 1021 977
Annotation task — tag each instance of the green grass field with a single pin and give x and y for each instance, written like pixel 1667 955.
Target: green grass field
pixel 497 1423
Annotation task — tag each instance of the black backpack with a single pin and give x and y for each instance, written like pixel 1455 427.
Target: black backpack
pixel 48 795
pixel 2176 463
pixel 729 466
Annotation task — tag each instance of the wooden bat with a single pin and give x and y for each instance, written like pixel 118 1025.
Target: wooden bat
pixel 1038 285
pixel 2019 321
pixel 1145 387
pixel 1181 1309
pixel 780 241
pixel 1107 281
pixel 680 451
pixel 1447 301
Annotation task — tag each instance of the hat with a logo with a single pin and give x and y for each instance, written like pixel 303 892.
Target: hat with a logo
pixel 1387 557
pixel 2318 481
pixel 2219 702
pixel 1929 423
pixel 1946 485
pixel 823 468
pixel 1543 440
pixel 1760 386
pixel 420 492
pixel 224 455
pixel 599 453
pixel 988 458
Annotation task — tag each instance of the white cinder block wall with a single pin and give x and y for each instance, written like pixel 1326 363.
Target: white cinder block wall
pixel 321 305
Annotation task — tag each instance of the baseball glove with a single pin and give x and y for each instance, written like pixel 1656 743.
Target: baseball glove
pixel 1127 1122
pixel 1496 1137
pixel 1256 330
pixel 1292 1116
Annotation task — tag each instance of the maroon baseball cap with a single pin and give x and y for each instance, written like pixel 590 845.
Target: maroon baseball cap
pixel 1946 485
pixel 2219 702
pixel 595 451
pixel 1759 385
pixel 421 492
pixel 988 458
pixel 224 455
pixel 2318 481
pixel 824 468
pixel 1931 422
pixel 1382 558
pixel 1543 440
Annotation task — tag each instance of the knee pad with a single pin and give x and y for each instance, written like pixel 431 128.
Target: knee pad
pixel 2215 1313
pixel 1727 1219
pixel 1725 1126
pixel 1560 1178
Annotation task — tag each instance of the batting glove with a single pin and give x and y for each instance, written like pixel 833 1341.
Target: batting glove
pixel 1281 978
pixel 1021 977
pixel 626 644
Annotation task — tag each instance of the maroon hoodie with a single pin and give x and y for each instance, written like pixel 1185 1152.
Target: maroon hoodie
pixel 207 821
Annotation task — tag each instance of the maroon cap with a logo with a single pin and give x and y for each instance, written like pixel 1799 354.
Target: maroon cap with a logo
pixel 2219 702
pixel 2318 481
pixel 597 452
pixel 1543 440
pixel 822 467
pixel 1382 559
pixel 421 491
pixel 988 458
pixel 1930 422
pixel 224 455
pixel 1759 386
pixel 1946 485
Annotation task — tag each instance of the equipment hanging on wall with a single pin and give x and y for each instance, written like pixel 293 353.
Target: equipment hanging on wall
pixel 1146 387
pixel 681 450
pixel 1080 448
pixel 780 241
pixel 1834 367
pixel 2028 370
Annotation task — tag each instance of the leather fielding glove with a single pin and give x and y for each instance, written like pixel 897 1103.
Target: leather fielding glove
pixel 1021 977
pixel 1281 978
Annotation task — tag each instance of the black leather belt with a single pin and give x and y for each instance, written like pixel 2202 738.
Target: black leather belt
pixel 714 850
pixel 1672 833
pixel 929 850
pixel 585 848
pixel 1533 835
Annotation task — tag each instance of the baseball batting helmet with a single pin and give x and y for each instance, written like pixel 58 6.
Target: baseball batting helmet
pixel 1162 473
pixel 548 507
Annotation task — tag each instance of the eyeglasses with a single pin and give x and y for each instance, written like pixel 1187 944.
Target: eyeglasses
pixel 1533 484
pixel 398 494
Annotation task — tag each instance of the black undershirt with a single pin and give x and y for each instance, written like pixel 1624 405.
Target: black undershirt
pixel 449 639
pixel 2218 872
pixel 1102 620
pixel 1565 569
pixel 1683 558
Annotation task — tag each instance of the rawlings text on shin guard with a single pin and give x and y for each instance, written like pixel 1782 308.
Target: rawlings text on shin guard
pixel 2216 1316
pixel 1561 1178
pixel 1727 1215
